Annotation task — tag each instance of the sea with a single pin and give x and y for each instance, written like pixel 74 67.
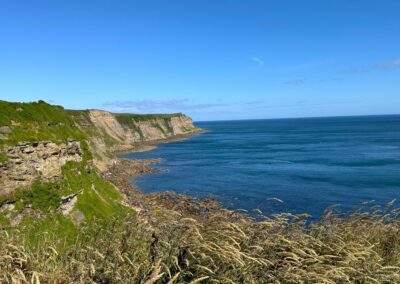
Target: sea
pixel 303 165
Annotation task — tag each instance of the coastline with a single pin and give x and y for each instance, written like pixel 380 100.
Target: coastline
pixel 151 145
pixel 122 173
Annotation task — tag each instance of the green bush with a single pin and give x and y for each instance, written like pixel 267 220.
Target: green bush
pixel 42 196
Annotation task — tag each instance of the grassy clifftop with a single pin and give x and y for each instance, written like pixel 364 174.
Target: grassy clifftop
pixel 104 132
pixel 37 121
pixel 35 209
pixel 123 117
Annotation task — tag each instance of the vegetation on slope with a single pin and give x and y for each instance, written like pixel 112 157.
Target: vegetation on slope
pixel 174 246
pixel 128 120
pixel 38 206
pixel 37 121
pixel 85 124
pixel 3 158
pixel 126 117
pixel 35 209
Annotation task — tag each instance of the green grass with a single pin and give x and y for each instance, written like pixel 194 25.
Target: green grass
pixel 42 196
pixel 4 220
pixel 56 227
pixel 164 245
pixel 37 121
pixel 126 117
pixel 98 198
pixel 98 201
pixel 3 158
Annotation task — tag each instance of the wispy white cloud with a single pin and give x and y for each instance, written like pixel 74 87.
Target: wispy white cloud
pixel 303 103
pixel 384 65
pixel 391 64
pixel 152 106
pixel 257 60
pixel 296 82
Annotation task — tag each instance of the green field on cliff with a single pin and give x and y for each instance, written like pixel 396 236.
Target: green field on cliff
pixel 37 121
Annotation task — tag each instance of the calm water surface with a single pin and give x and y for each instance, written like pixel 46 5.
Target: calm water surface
pixel 308 164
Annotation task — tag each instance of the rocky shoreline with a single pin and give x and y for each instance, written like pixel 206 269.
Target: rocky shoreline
pixel 151 145
pixel 122 173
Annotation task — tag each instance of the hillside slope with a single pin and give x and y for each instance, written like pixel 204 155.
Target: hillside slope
pixel 37 139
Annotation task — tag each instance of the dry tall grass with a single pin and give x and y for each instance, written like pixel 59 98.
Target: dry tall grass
pixel 200 244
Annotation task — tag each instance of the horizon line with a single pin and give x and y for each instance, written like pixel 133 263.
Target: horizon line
pixel 302 117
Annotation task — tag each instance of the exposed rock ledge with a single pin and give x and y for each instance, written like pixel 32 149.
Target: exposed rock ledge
pixel 134 131
pixel 130 132
pixel 29 161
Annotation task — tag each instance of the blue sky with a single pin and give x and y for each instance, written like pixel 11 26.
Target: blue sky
pixel 211 59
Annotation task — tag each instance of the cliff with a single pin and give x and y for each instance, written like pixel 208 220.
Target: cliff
pixel 108 132
pixel 38 139
pixel 129 129
pixel 52 159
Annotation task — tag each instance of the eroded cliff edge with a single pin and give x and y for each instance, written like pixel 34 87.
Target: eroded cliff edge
pixel 109 133
pixel 38 139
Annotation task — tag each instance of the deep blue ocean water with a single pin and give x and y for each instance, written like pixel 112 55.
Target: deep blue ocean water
pixel 309 164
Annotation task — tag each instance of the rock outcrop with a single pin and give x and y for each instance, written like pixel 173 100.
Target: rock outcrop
pixel 107 122
pixel 67 203
pixel 29 161
pixel 133 130
pixel 110 132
